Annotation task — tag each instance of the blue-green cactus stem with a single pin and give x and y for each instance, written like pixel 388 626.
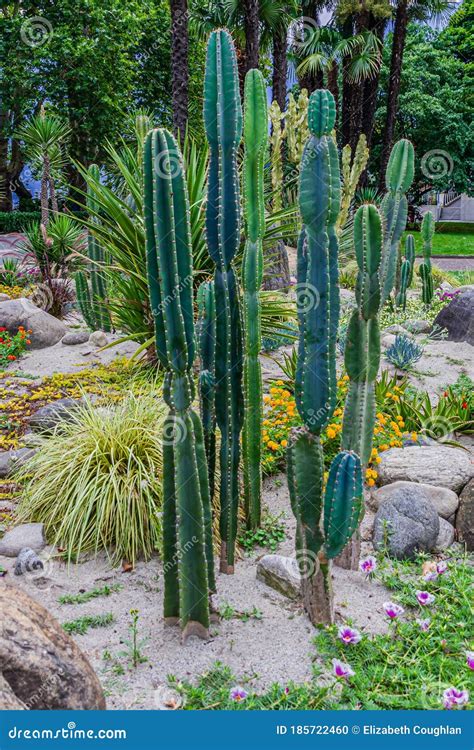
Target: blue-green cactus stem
pixel 206 337
pixel 343 502
pixel 410 256
pixel 427 232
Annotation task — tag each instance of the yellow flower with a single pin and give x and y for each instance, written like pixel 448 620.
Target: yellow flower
pixel 378 460
pixel 330 433
pixel 414 436
pixel 284 443
pixel 346 378
pixel 370 482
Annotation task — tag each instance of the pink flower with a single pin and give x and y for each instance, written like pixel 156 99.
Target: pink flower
pixel 368 566
pixel 425 598
pixel 441 567
pixel 424 624
pixel 349 635
pixel 393 610
pixel 470 659
pixel 341 669
pixel 238 694
pixel 431 576
pixel 453 698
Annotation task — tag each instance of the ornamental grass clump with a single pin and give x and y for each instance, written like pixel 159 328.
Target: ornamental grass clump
pixel 96 484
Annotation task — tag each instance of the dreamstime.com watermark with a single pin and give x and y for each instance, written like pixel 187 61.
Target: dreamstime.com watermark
pixel 71 732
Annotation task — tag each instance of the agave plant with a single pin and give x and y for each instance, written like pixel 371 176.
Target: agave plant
pixel 404 352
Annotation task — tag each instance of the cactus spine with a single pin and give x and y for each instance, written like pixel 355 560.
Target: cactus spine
pixel 427 232
pixel 325 520
pixel 206 337
pixel 223 125
pixel 187 532
pixel 91 300
pixel 256 142
pixel 398 178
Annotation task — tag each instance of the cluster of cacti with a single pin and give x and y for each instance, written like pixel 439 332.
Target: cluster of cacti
pixel 296 130
pixel 427 232
pixel 187 523
pixel 92 299
pixel 255 142
pixel 276 146
pixel 293 135
pixel 351 170
pixel 223 126
pixel 326 520
pixel 398 178
pixel 406 271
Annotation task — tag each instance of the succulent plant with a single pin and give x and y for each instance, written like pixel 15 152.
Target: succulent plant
pixel 427 232
pixel 206 339
pixel 404 352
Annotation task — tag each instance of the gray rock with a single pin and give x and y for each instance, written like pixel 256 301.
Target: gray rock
pixel 445 536
pixel 98 338
pixel 73 339
pixel 4 297
pixel 445 501
pixel 49 416
pixel 26 535
pixel 445 286
pixel 465 516
pixel 395 328
pixel 439 465
pixel 12 460
pixel 27 562
pixel 45 329
pixel 388 340
pixel 280 573
pixel 418 326
pixel 458 317
pixel 405 525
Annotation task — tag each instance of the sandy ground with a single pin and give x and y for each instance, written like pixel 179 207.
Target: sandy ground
pixel 276 648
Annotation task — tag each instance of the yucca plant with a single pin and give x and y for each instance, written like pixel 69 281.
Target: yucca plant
pixel 108 464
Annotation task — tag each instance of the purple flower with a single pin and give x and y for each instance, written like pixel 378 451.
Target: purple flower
pixel 453 697
pixel 368 566
pixel 393 610
pixel 287 690
pixel 441 567
pixel 349 635
pixel 470 659
pixel 431 576
pixel 341 669
pixel 424 624
pixel 238 694
pixel 425 598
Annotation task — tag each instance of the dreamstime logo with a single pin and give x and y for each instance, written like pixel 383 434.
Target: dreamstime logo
pixel 35 569
pixel 42 297
pixel 187 281
pixel 301 31
pixel 168 165
pixel 439 428
pixel 307 298
pixel 307 562
pixel 36 31
pixel 174 431
pixel 436 164
pixel 167 699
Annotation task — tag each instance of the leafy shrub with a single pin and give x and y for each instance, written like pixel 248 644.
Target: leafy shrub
pixel 19 221
pixel 270 533
pixel 108 465
pixel 404 352
pixel 12 347
pixel 281 337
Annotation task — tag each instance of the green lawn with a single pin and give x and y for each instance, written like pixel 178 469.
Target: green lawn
pixel 447 243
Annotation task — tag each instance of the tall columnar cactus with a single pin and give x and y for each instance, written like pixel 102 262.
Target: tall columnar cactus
pixel 410 256
pixel 91 299
pixel 206 337
pixel 326 520
pixel 187 528
pixel 223 124
pixel 427 232
pixel 398 178
pixel 405 273
pixel 256 142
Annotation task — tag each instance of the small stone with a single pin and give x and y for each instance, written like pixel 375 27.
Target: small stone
pixel 388 340
pixel 98 338
pixel 280 573
pixel 465 516
pixel 439 465
pixel 4 297
pixel 445 501
pixel 406 525
pixel 26 535
pixel 12 460
pixel 73 339
pixel 445 536
pixel 27 561
pixel 418 326
pixel 49 416
pixel 395 329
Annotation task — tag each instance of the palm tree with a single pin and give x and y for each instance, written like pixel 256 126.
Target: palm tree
pixel 251 16
pixel 44 136
pixel 406 11
pixel 180 64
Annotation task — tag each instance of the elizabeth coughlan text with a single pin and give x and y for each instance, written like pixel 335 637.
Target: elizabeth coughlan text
pixel 438 731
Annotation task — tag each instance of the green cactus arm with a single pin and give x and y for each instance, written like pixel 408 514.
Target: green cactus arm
pixel 368 245
pixel 206 337
pixel 343 502
pixel 427 233
pixel 362 350
pixel 256 143
pixel 170 548
pixel 401 167
pixel 404 283
pixel 410 256
pixel 201 461
pixel 359 419
pixel 306 474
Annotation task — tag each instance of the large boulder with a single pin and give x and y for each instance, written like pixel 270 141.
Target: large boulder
pixel 445 536
pixel 49 416
pixel 41 665
pixel 45 329
pixel 465 516
pixel 29 535
pixel 445 501
pixel 405 524
pixel 458 317
pixel 439 465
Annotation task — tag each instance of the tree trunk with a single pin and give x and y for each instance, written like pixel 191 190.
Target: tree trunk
pixel 350 555
pixel 252 33
pixel 371 88
pixel 345 125
pixel 280 67
pixel 333 84
pixel 180 64
pixel 312 81
pixel 44 191
pixel 318 595
pixel 276 268
pixel 398 46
